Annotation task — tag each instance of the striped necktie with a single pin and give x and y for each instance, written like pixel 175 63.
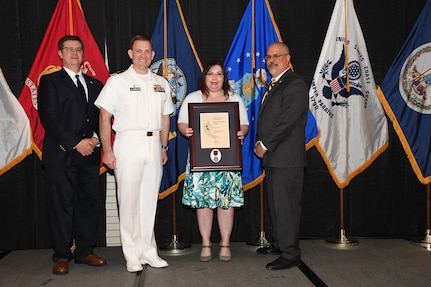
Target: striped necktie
pixel 269 89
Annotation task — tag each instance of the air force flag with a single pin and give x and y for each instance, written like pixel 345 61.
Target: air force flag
pixel 246 70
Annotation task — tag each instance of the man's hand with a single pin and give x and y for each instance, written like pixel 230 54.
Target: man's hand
pixel 109 160
pixel 164 156
pixel 86 146
pixel 259 150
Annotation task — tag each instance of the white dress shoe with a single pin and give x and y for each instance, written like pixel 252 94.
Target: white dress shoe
pixel 155 262
pixel 133 266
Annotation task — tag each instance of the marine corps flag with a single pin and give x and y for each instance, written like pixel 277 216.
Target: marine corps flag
pixel 15 140
pixel 343 98
pixel 406 95
pixel 68 19
pixel 175 59
pixel 246 70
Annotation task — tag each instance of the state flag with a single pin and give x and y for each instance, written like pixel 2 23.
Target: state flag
pixel 406 95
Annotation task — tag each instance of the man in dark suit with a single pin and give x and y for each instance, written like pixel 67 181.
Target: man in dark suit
pixel 71 157
pixel 281 145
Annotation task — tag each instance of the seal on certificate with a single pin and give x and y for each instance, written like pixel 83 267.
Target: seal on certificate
pixel 215 155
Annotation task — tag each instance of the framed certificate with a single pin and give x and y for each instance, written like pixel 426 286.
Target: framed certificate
pixel 214 144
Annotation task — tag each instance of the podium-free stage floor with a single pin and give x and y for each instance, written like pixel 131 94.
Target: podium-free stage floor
pixel 373 262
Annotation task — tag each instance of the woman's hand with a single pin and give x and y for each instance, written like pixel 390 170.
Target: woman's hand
pixel 240 135
pixel 185 130
pixel 188 132
pixel 242 132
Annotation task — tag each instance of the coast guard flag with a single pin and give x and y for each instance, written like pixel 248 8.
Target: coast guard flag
pixel 15 139
pixel 68 19
pixel 181 66
pixel 406 95
pixel 246 70
pixel 343 98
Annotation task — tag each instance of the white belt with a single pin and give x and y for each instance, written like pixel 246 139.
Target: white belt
pixel 140 133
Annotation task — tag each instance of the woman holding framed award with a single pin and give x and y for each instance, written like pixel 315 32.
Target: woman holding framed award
pixel 211 190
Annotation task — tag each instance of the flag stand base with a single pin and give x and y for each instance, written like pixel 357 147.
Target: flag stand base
pixel 425 242
pixel 261 241
pixel 175 247
pixel 342 242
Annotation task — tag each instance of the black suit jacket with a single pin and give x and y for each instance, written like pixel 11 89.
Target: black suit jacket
pixel 67 118
pixel 281 122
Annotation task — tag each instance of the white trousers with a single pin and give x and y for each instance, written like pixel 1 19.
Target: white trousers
pixel 138 175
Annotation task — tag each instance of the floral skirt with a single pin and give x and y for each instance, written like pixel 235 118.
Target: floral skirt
pixel 213 189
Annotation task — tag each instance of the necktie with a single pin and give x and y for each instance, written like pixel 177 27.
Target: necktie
pixel 269 89
pixel 81 88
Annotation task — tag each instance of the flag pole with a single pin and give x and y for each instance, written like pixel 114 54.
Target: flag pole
pixel 261 241
pixel 346 44
pixel 165 41
pixel 253 43
pixel 426 242
pixel 174 247
pixel 342 241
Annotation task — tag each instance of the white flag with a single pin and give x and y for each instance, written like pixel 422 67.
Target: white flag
pixel 15 134
pixel 344 101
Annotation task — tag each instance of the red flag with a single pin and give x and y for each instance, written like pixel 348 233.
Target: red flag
pixel 68 19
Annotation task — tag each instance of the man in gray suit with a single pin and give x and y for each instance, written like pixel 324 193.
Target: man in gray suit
pixel 281 145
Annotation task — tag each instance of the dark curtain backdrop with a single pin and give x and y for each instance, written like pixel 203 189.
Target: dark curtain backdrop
pixel 385 201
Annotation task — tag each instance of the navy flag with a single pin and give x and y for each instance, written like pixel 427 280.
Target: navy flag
pixel 246 70
pixel 176 60
pixel 406 95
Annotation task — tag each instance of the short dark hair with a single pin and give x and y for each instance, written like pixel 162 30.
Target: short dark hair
pixel 203 87
pixel 69 38
pixel 140 38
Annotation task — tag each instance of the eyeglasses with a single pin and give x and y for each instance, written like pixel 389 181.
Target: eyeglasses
pixel 71 49
pixel 218 74
pixel 275 56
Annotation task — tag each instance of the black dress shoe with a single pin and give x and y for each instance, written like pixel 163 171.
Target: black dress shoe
pixel 282 263
pixel 269 249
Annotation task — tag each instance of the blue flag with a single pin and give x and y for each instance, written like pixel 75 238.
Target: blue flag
pixel 406 95
pixel 246 70
pixel 182 68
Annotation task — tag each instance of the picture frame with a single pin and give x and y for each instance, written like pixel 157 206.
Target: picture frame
pixel 214 144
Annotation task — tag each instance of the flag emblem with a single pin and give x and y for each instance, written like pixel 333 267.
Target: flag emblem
pixel 415 80
pixel 334 79
pixel 245 85
pixel 175 77
pixel 33 87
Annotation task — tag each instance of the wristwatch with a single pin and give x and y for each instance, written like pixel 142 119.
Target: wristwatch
pixel 165 147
